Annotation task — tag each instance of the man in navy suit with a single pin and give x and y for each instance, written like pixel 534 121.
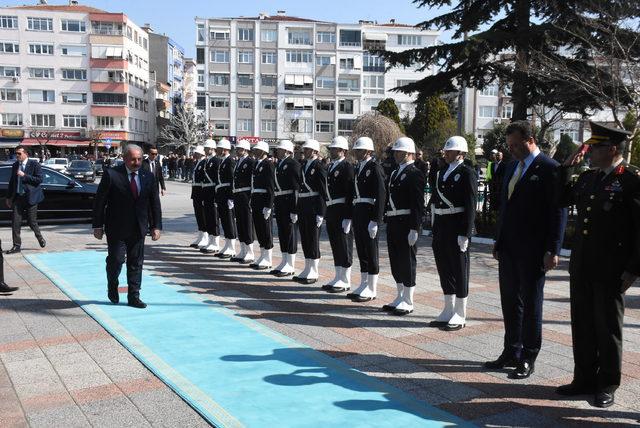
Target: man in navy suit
pixel 23 195
pixel 127 204
pixel 529 237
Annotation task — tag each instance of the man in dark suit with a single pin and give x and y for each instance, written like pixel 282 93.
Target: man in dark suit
pixel 529 237
pixel 23 195
pixel 152 164
pixel 126 197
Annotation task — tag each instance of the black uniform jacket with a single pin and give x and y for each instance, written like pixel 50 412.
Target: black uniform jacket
pixel 198 179
pixel 461 189
pixel 225 175
pixel 406 191
pixel 315 178
pixel 243 172
pixel 370 183
pixel 263 178
pixel 287 177
pixel 340 185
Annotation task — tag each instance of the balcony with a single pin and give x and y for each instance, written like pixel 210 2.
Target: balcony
pixel 110 110
pixel 118 63
pixel 162 105
pixel 119 18
pixel 113 87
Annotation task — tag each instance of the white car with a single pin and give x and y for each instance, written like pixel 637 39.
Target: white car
pixel 58 164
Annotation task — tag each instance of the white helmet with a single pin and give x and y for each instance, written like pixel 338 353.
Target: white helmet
pixel 243 144
pixel 261 145
pixel 404 144
pixel 210 143
pixel 364 143
pixel 339 143
pixel 199 150
pixel 285 145
pixel 456 143
pixel 311 144
pixel 224 144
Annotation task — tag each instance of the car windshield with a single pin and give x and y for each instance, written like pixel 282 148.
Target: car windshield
pixel 55 162
pixel 80 164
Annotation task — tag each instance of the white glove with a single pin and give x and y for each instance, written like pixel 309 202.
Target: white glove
pixel 319 220
pixel 294 218
pixel 266 212
pixel 412 238
pixel 373 229
pixel 230 204
pixel 463 243
pixel 346 225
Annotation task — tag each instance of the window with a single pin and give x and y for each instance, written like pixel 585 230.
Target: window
pixel 74 74
pixel 345 126
pixel 43 120
pixel 245 34
pixel 299 37
pixel 373 85
pixel 40 49
pixel 269 57
pixel 248 104
pixel 299 125
pixel 73 25
pixel 199 55
pixel 219 79
pixel 269 80
pixel 507 111
pixel 268 126
pixel 41 73
pixel 40 24
pixel 322 60
pixel 298 104
pixel 325 83
pixel 345 106
pixel 245 125
pixel 245 80
pixel 82 51
pixel 404 82
pixel 201 101
pixel 201 33
pixel 74 121
pixel 109 29
pixel 325 37
pixel 487 111
pixel 108 122
pixel 9 71
pixel 490 91
pixel 245 57
pixel 298 82
pixel 349 85
pixel 8 22
pixel 347 63
pixel 74 98
pixel 269 105
pixel 300 56
pixel 11 119
pixel 219 102
pixel 219 34
pixel 219 56
pixel 10 95
pixel 268 35
pixel 325 105
pixel 200 78
pixel 573 133
pixel 221 126
pixel 41 96
pixel 9 47
pixel 409 40
pixel 324 127
pixel 109 99
pixel 350 38
pixel 373 63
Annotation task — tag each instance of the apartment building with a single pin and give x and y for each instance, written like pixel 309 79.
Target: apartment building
pixel 276 77
pixel 74 75
pixel 166 64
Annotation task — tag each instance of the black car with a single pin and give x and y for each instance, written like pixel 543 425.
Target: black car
pixel 81 170
pixel 65 200
pixel 99 165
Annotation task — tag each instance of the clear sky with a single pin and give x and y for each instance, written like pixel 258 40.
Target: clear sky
pixel 175 17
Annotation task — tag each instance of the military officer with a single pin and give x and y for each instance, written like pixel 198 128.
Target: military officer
pixel 242 174
pixel 403 215
pixel 453 207
pixel 339 215
pixel 287 184
pixel 369 195
pixel 262 184
pixel 198 202
pixel 224 198
pixel 311 209
pixel 605 260
pixel 209 196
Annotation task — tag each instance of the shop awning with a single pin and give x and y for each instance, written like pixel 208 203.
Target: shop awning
pixel 381 37
pixel 60 143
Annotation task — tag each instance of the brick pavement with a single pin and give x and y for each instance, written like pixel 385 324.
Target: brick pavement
pixel 60 368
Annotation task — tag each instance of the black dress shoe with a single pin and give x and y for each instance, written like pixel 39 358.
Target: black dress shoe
pixel 438 324
pixel 401 312
pixel 253 265
pixel 504 360
pixel 42 242
pixel 575 388
pixel 307 281
pixel 388 308
pixel 334 290
pixel 604 399
pixel 137 303
pixel 453 327
pixel 274 271
pixel 4 288
pixel 194 245
pixel 235 259
pixel 281 274
pixel 327 287
pixel 523 370
pixel 245 262
pixel 224 256
pixel 14 249
pixel 258 267
pixel 205 251
pixel 352 295
pixel 114 297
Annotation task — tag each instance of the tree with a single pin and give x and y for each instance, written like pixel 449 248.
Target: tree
pixel 496 139
pixel 184 130
pixel 432 124
pixel 629 121
pixel 564 148
pixel 388 108
pixel 471 143
pixel 382 130
pixel 43 136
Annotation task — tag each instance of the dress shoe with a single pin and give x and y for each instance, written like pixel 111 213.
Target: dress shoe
pixel 575 388
pixel 258 267
pixel 334 290
pixel 438 324
pixel 327 287
pixel 307 281
pixel 281 274
pixel 114 297
pixel 4 288
pixel 401 312
pixel 42 241
pixel 137 303
pixel 235 259
pixel 253 265
pixel 361 299
pixel 388 308
pixel 504 360
pixel 352 295
pixel 14 249
pixel 604 399
pixel 224 256
pixel 453 327
pixel 245 262
pixel 274 271
pixel 523 370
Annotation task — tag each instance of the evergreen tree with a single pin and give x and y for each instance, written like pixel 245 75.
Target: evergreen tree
pixel 496 139
pixel 432 124
pixel 565 147
pixel 388 108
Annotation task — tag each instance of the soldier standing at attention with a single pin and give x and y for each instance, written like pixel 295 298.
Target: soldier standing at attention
pixel 242 174
pixel 224 199
pixel 198 202
pixel 262 184
pixel 209 198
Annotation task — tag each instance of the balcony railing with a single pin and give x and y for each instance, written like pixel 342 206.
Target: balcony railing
pixel 350 44
pixel 107 32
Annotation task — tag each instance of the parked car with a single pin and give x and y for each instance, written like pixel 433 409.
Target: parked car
pixel 99 166
pixel 65 200
pixel 57 164
pixel 81 170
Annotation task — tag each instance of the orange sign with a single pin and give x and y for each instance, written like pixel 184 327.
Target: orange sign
pixel 12 133
pixel 112 135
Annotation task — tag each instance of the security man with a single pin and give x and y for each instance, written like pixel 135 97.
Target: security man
pixel 311 209
pixel 453 207
pixel 287 184
pixel 262 184
pixel 198 202
pixel 369 196
pixel 605 260
pixel 209 196
pixel 339 214
pixel 403 215
pixel 242 175
pixel 224 198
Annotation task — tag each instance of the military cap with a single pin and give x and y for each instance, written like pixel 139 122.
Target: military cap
pixel 601 134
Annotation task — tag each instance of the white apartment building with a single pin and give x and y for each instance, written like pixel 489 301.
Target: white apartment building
pixel 75 74
pixel 277 77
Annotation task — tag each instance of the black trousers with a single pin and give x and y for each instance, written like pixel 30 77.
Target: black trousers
pixel 227 220
pixel 286 229
pixel 402 257
pixel 132 250
pixel 597 312
pixel 244 221
pixel 198 209
pixel 309 234
pixel 521 295
pixel 262 225
pixel 210 211
pixel 20 206
pixel 367 248
pixel 341 243
pixel 453 264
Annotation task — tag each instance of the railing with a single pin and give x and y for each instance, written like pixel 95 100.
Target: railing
pixel 350 44
pixel 107 32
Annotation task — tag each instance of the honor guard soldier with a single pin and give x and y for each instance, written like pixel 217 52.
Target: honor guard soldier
pixel 209 196
pixel 262 185
pixel 453 209
pixel 224 199
pixel 369 195
pixel 196 196
pixel 311 209
pixel 605 260
pixel 242 174
pixel 403 215
pixel 287 185
pixel 339 214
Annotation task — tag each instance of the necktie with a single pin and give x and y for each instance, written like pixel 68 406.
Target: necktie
pixel 516 176
pixel 152 164
pixel 133 185
pixel 20 188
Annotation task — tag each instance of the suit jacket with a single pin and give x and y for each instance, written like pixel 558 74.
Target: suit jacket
pixel 157 170
pixel 116 210
pixel 461 192
pixel 532 222
pixel 315 178
pixel 340 185
pixel 370 183
pixel 263 178
pixel 406 190
pixel 30 182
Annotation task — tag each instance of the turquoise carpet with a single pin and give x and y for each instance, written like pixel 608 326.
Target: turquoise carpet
pixel 234 371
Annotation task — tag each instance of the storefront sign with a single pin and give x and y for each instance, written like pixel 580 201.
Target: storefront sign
pixel 12 133
pixel 55 135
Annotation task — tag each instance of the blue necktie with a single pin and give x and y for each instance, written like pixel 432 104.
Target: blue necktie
pixel 20 188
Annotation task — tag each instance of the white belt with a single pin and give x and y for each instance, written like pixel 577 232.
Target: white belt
pixel 447 211
pixel 336 201
pixel 283 192
pixel 308 194
pixel 196 184
pixel 259 191
pixel 218 186
pixel 393 213
pixel 364 201
pixel 208 185
pixel 242 189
